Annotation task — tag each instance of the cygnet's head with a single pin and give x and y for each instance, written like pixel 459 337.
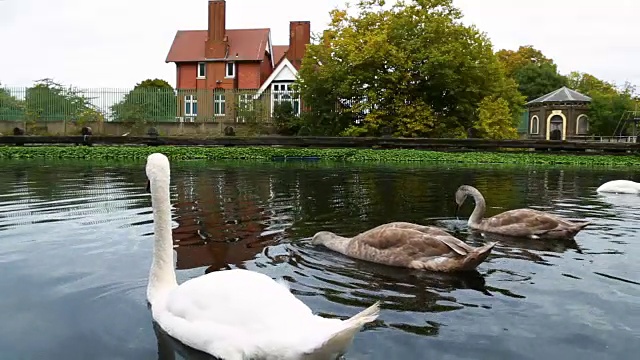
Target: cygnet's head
pixel 462 193
pixel 157 169
pixel 321 237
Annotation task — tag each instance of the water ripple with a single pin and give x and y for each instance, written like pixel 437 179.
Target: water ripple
pixel 76 244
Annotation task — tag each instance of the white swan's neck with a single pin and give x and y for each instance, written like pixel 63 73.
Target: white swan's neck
pixel 162 276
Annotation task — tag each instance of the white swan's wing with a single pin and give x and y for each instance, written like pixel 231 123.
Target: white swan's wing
pixel 237 298
pixel 229 311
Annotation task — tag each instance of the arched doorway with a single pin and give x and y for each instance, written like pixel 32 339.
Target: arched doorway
pixel 556 127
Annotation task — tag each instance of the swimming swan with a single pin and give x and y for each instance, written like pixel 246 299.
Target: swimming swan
pixel 407 245
pixel 620 187
pixel 519 222
pixel 235 314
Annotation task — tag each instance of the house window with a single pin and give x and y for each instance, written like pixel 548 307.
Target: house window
pixel 190 105
pixel 219 104
pixel 202 70
pixel 245 106
pixel 582 125
pixel 230 71
pixel 283 92
pixel 534 126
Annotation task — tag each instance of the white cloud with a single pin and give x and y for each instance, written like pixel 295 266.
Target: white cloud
pixel 117 43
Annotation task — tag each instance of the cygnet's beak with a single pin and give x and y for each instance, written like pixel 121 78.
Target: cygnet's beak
pixel 148 186
pixel 456 213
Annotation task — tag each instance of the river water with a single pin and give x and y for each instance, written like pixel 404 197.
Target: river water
pixel 76 238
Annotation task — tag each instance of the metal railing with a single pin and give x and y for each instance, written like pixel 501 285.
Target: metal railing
pixel 47 103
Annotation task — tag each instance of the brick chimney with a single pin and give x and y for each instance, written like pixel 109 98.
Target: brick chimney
pixel 299 38
pixel 216 44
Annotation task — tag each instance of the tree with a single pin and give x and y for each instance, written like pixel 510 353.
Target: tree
pixel 525 55
pixel 150 101
pixel 535 80
pixel 535 73
pixel 495 120
pixel 588 84
pixel 409 70
pixel 608 102
pixel 11 108
pixel 51 101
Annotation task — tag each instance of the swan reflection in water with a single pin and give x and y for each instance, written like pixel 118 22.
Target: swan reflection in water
pixel 511 247
pixel 168 347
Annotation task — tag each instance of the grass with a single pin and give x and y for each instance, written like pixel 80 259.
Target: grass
pixel 349 155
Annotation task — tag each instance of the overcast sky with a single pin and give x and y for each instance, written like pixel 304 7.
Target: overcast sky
pixel 116 43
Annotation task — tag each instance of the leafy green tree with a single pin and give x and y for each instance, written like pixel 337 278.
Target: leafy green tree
pixel 588 84
pixel 284 119
pixel 412 69
pixel 608 102
pixel 150 101
pixel 51 101
pixel 495 120
pixel 536 80
pixel 535 73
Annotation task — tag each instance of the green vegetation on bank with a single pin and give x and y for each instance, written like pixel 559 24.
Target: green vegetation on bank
pixel 267 153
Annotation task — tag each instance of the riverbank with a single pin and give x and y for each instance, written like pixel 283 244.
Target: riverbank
pixel 349 155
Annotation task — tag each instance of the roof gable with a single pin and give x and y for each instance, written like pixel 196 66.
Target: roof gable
pixel 284 71
pixel 279 51
pixel 564 94
pixel 244 45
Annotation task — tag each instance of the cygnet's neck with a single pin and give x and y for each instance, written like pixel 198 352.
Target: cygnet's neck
pixel 336 243
pixel 480 206
pixel 162 276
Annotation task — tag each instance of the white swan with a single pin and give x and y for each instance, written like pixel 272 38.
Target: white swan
pixel 620 187
pixel 235 314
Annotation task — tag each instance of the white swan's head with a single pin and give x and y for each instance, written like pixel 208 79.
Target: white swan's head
pixel 158 169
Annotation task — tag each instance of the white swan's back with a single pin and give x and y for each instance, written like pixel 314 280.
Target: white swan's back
pixel 620 187
pixel 235 314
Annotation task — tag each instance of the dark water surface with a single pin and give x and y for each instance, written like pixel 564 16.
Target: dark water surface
pixel 76 238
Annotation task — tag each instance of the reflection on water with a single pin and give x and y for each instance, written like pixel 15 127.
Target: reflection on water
pixel 75 249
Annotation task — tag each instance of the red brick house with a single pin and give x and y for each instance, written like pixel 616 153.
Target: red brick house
pixel 219 67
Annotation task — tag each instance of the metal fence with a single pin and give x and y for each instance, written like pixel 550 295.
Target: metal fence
pixel 46 103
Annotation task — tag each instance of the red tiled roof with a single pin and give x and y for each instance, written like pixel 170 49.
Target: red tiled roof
pixel 249 44
pixel 278 52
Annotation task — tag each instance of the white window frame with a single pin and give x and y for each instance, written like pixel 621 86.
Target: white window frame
pixel 537 122
pixel 202 74
pixel 191 100
pixel 280 90
pixel 219 99
pixel 233 70
pixel 586 118
pixel 245 103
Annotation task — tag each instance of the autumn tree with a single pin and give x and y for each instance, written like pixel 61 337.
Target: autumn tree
pixel 494 119
pixel 525 55
pixel 150 101
pixel 409 69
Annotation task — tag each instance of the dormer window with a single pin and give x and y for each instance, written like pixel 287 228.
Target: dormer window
pixel 230 70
